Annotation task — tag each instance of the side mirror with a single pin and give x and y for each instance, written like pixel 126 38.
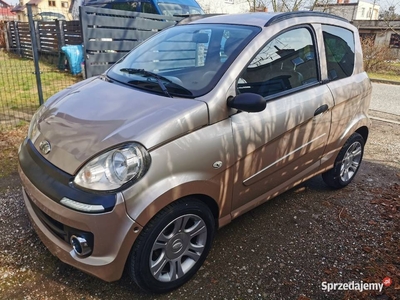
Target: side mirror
pixel 249 102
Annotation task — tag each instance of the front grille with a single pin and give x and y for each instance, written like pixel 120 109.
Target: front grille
pixel 54 226
pixel 60 230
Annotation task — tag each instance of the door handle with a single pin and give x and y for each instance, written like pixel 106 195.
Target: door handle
pixel 321 109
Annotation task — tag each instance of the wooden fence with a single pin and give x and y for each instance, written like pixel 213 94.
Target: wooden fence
pixel 51 36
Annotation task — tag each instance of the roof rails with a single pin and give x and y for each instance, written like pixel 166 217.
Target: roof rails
pixel 294 14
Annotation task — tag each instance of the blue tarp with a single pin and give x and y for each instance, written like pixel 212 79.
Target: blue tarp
pixel 74 54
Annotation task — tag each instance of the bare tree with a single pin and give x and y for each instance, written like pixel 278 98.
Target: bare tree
pixel 277 5
pixel 321 3
pixel 376 57
pixel 390 17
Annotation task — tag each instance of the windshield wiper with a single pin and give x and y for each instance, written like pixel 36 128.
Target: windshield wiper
pixel 145 73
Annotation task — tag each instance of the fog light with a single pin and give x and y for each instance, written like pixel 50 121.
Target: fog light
pixel 80 245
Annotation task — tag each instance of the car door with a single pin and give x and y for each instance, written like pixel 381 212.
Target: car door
pixel 282 144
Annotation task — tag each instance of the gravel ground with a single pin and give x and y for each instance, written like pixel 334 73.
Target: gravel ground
pixel 284 249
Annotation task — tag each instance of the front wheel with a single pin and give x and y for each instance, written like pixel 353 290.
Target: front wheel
pixel 172 246
pixel 347 163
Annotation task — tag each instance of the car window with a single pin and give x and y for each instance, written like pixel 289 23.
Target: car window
pixel 285 63
pixel 339 51
pixel 194 57
pixel 171 9
pixel 127 6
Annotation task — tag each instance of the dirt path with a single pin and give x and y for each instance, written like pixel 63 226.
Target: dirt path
pixel 285 249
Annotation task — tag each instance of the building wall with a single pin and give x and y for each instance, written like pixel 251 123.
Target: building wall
pixel 45 6
pixel 345 10
pixel 351 11
pixel 225 6
pixel 381 31
pixel 367 11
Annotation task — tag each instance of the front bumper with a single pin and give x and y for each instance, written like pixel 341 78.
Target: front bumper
pixel 113 232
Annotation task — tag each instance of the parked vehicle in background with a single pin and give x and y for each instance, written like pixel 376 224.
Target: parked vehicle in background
pixel 194 127
pixel 160 7
pixel 49 16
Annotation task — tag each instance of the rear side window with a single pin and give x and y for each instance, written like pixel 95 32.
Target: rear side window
pixel 339 51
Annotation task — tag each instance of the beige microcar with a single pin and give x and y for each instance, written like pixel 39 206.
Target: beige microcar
pixel 199 124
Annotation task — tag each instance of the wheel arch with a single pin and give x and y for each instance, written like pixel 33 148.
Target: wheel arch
pixel 363 131
pixel 210 202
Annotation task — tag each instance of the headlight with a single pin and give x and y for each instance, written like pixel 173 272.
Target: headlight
pixel 33 131
pixel 111 170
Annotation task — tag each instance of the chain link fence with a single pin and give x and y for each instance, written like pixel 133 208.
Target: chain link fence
pixel 22 72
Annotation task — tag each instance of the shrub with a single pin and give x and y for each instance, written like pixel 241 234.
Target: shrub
pixel 376 57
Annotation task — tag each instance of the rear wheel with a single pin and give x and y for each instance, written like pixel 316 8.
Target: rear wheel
pixel 347 163
pixel 172 246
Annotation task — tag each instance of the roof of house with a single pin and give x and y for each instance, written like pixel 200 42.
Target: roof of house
pixel 34 2
pixel 18 8
pixel 5 4
pixel 6 13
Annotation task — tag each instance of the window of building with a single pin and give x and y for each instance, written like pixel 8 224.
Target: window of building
pixel 285 63
pixel 395 40
pixel 64 4
pixel 52 3
pixel 362 12
pixel 368 36
pixel 339 51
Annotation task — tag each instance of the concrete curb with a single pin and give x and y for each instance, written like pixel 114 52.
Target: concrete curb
pixel 385 120
pixel 385 81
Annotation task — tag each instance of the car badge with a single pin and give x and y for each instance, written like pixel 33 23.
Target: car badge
pixel 45 147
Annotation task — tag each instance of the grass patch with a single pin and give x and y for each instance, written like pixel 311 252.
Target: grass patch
pixel 18 87
pixel 385 76
pixel 391 71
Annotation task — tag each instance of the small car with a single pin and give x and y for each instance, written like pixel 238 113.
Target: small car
pixel 49 16
pixel 202 122
pixel 160 7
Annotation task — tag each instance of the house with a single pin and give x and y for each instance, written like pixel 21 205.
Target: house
pixel 5 12
pixel 43 10
pixel 383 32
pixel 359 10
pixel 365 16
pixel 225 6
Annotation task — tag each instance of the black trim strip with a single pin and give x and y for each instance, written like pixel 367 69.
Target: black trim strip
pixel 55 183
pixel 295 14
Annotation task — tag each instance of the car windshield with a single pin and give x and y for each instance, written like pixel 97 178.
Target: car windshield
pixel 175 9
pixel 185 60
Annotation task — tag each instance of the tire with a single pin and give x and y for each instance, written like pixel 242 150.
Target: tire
pixel 172 246
pixel 347 163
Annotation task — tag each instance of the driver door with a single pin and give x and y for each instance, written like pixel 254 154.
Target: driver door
pixel 280 145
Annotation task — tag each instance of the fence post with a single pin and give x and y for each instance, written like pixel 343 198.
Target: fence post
pixel 5 33
pixel 35 53
pixel 17 41
pixel 37 33
pixel 60 33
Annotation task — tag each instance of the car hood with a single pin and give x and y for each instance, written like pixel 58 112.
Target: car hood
pixel 96 115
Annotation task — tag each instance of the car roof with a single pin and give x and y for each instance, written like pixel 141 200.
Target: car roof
pixel 261 19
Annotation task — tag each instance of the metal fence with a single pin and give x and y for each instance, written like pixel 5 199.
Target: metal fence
pixel 19 71
pixel 33 65
pixel 109 34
